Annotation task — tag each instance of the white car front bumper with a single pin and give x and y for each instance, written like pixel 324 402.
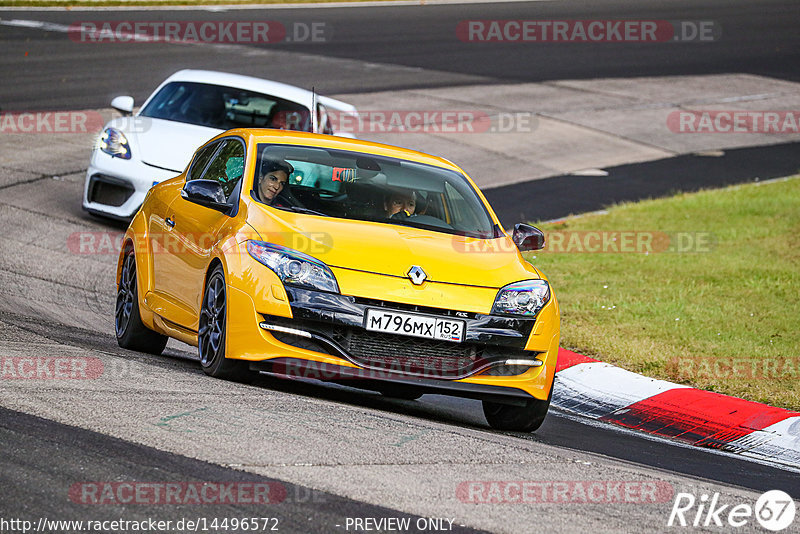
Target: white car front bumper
pixel 116 187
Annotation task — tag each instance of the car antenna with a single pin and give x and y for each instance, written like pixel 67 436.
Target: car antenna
pixel 313 110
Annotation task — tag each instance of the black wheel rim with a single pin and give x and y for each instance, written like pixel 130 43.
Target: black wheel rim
pixel 211 335
pixel 125 295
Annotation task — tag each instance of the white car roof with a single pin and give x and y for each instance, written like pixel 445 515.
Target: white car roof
pixel 258 85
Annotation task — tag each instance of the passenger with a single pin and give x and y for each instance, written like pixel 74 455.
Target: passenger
pixel 400 204
pixel 286 117
pixel 272 179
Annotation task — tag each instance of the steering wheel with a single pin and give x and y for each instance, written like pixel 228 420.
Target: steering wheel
pixel 402 215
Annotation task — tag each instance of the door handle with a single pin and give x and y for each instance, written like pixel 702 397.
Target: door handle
pixel 170 222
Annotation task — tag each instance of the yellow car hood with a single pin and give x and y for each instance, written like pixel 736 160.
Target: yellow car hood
pixel 391 250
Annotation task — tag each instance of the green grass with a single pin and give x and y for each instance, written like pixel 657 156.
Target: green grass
pixel 725 318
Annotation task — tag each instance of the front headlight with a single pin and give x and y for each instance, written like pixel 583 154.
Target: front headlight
pixel 114 143
pixel 522 298
pixel 293 267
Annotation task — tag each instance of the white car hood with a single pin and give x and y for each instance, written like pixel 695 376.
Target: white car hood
pixel 167 144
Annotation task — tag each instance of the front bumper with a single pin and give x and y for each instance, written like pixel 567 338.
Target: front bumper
pixel 299 368
pixel 325 339
pixel 116 187
pixel 334 324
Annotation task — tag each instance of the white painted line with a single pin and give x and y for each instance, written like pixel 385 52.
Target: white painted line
pixel 778 443
pixel 240 7
pixel 742 98
pixel 133 36
pixel 596 389
pixel 661 439
pixel 590 172
pixel 36 24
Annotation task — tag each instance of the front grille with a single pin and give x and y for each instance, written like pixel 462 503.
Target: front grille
pixel 394 353
pixel 410 355
pixel 109 191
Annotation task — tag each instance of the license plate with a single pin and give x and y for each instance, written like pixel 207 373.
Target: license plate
pixel 409 324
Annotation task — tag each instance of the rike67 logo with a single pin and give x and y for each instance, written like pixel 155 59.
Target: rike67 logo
pixel 774 510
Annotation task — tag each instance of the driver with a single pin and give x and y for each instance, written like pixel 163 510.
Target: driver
pixel 400 204
pixel 272 179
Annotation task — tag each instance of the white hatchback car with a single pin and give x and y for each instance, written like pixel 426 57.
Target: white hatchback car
pixel 134 152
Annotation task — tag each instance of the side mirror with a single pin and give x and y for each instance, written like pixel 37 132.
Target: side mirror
pixel 123 104
pixel 207 193
pixel 528 237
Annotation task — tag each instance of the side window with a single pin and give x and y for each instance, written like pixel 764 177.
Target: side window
pixel 200 161
pixel 227 166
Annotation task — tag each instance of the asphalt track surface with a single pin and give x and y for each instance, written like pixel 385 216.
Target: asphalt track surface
pixel 66 303
pixel 558 430
pixel 76 454
pixel 560 196
pixel 419 43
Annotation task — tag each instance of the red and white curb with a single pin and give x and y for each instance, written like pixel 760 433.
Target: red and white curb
pixel 700 418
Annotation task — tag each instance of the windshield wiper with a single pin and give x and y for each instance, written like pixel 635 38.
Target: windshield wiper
pixel 423 226
pixel 437 228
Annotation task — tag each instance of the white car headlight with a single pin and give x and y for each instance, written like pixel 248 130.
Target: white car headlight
pixel 114 143
pixel 522 298
pixel 294 267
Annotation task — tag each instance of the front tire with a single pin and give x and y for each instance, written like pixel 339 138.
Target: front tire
pixel 131 333
pixel 212 330
pixel 527 418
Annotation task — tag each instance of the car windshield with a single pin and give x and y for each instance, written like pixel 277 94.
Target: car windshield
pixel 350 185
pixel 224 108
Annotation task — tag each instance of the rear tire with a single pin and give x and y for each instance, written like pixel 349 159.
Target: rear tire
pixel 525 418
pixel 212 329
pixel 131 333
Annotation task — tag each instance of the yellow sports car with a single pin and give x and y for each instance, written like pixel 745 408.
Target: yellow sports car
pixel 335 259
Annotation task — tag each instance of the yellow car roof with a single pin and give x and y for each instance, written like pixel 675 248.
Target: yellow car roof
pixel 269 135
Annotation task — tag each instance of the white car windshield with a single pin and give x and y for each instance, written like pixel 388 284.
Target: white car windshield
pixel 223 108
pixel 350 185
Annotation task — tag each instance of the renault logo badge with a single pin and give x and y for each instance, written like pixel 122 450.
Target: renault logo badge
pixel 417 275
